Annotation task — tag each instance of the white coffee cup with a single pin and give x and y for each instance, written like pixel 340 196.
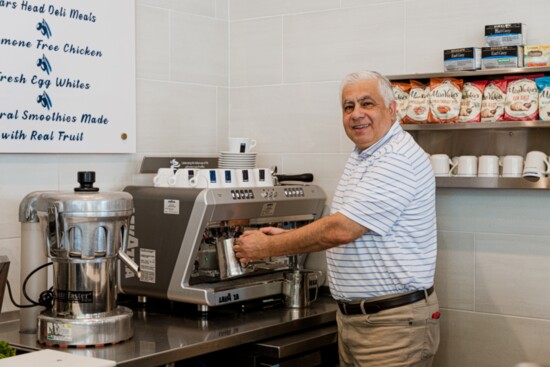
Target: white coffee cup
pixel 241 145
pixel 466 166
pixel 536 164
pixel 162 177
pixel 245 177
pixel 205 178
pixel 488 166
pixel 227 177
pixel 182 177
pixel 441 164
pixel 263 177
pixel 512 166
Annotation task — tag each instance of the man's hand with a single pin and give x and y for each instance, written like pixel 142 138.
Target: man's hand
pixel 254 245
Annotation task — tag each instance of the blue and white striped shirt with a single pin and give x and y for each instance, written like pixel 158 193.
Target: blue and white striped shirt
pixel 388 188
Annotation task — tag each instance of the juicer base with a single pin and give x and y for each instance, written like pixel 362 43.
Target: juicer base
pixel 91 331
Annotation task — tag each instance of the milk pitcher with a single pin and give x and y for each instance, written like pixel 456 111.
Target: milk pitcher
pixel 297 286
pixel 230 266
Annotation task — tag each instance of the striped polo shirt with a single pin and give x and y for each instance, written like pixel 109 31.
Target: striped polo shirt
pixel 388 188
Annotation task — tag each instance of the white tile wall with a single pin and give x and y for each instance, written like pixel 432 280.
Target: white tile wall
pixel 176 117
pixel 198 49
pixel 256 52
pixel 513 275
pixel 209 69
pixel 198 7
pixel 240 9
pixel 328 45
pixel 295 118
pixel 152 43
pixel 485 340
pixel 455 270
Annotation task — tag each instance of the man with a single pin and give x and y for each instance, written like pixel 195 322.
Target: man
pixel 380 236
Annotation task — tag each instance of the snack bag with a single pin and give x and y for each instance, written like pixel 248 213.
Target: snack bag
pixel 543 85
pixel 445 98
pixel 492 104
pixel 419 103
pixel 470 106
pixel 401 95
pixel 522 98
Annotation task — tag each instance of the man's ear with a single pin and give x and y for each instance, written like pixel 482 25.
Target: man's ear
pixel 393 109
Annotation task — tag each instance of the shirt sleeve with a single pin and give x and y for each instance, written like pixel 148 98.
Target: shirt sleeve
pixel 385 190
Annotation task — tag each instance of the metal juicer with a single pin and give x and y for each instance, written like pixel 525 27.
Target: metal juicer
pixel 84 232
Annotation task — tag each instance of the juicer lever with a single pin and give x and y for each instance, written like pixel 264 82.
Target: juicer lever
pixel 131 264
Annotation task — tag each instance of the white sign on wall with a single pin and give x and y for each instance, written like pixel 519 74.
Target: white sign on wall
pixel 67 76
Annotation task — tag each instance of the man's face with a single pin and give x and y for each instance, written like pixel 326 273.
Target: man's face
pixel 365 115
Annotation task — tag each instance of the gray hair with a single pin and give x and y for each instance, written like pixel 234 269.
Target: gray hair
pixel 384 84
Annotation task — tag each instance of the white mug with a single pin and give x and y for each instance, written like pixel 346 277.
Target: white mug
pixel 182 177
pixel 488 166
pixel 241 145
pixel 441 164
pixel 227 177
pixel 467 166
pixel 162 177
pixel 245 177
pixel 512 166
pixel 263 177
pixel 205 178
pixel 536 164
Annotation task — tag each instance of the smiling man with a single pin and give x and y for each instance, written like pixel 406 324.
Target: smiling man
pixel 380 238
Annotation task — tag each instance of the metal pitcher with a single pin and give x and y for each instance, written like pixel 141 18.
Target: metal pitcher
pixel 298 285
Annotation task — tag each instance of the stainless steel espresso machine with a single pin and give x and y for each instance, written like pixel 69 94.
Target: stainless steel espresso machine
pixel 181 239
pixel 84 233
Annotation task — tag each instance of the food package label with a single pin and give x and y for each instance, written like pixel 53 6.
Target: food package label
pixel 470 106
pixel 401 95
pixel 508 34
pixel 492 104
pixel 543 85
pixel 419 99
pixel 522 98
pixel 536 55
pixel 445 97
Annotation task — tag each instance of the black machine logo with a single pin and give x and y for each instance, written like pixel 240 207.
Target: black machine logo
pixel 74 296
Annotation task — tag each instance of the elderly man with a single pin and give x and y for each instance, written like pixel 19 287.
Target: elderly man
pixel 380 236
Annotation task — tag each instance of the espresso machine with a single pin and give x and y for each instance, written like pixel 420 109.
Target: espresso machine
pixel 182 240
pixel 84 233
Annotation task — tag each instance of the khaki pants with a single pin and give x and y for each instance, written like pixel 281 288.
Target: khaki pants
pixel 405 336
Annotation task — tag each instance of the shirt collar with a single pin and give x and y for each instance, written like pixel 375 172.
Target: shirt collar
pixel 394 130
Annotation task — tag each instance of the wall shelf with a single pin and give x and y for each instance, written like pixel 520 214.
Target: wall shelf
pixel 501 125
pixel 472 74
pixel 483 138
pixel 493 183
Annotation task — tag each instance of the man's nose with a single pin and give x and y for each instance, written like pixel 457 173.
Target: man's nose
pixel 357 113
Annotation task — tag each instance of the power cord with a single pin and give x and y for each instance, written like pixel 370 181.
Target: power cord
pixel 46 297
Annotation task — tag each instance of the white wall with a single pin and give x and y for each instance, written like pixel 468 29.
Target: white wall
pixel 208 69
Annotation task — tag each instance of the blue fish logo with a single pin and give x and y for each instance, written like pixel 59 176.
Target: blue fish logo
pixel 44 28
pixel 44 100
pixel 44 64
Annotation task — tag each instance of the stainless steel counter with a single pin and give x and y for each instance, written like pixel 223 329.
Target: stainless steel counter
pixel 171 335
